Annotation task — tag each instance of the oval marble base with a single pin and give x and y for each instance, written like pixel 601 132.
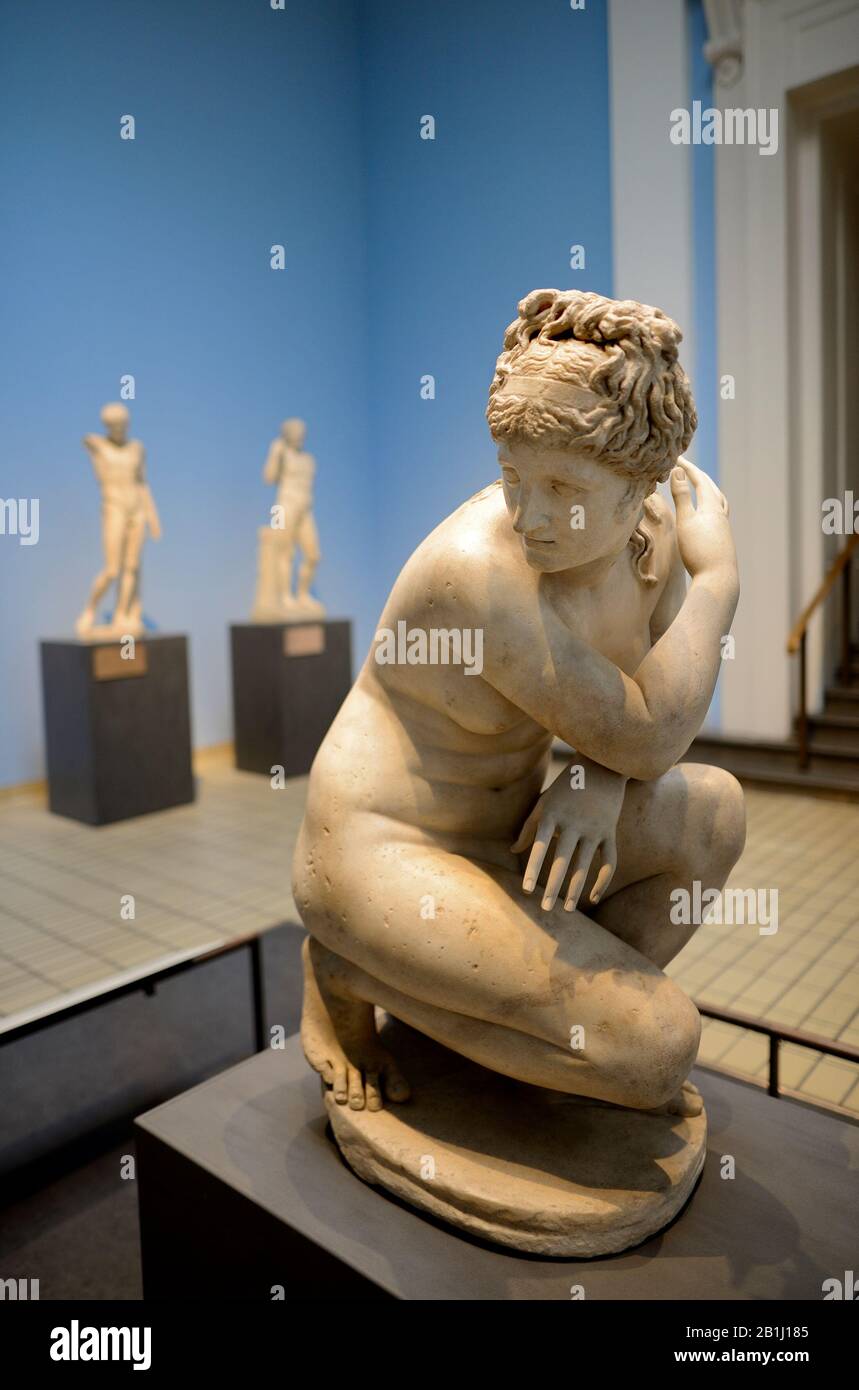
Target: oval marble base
pixel 525 1168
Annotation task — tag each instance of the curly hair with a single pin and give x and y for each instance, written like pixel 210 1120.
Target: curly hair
pixel 608 382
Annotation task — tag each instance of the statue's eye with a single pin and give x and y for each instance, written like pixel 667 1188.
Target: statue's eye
pixel 509 474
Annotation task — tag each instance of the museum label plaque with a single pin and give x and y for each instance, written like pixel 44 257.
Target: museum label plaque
pixel 117 662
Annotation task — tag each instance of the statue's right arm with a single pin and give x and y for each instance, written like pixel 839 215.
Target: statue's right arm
pixel 637 725
pixel 91 443
pixel 271 472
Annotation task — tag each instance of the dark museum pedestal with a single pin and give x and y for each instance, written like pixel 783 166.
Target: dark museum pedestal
pixel 241 1190
pixel 118 730
pixel 289 681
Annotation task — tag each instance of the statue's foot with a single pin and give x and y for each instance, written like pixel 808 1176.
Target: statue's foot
pixel 339 1038
pixel 126 625
pixel 688 1101
pixel 84 624
pixel 306 606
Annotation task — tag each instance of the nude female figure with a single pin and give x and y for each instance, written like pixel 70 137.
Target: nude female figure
pixel 546 911
pixel 127 510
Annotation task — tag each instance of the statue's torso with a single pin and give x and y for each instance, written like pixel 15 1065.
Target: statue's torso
pixel 120 474
pixel 295 479
pixel 439 749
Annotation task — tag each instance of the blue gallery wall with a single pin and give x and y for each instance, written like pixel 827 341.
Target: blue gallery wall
pixel 151 257
pixel 461 227
pixel 404 257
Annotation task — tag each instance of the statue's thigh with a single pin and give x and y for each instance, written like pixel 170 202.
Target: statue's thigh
pixel 113 538
pixel 134 537
pixel 308 537
pixel 462 936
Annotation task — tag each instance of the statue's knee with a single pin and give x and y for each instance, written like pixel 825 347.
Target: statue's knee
pixel 659 1049
pixel 727 814
pixel 715 820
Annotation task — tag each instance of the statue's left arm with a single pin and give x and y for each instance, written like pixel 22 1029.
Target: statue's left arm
pixel 152 518
pixel 271 472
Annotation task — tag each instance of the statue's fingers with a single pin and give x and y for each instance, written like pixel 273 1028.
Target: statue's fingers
pixel 608 857
pixel 708 495
pixel 545 831
pixel 526 834
pixel 681 491
pixel 585 851
pixel 558 872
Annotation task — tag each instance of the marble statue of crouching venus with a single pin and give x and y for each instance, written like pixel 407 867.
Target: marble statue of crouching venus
pixel 485 997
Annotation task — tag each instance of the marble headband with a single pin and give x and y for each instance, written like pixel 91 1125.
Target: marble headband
pixel 562 392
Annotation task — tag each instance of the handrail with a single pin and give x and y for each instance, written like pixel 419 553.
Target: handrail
pixel 830 1047
pixel 798 630
pixel 796 639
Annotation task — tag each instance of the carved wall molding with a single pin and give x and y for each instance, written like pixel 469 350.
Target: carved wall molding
pixel 724 48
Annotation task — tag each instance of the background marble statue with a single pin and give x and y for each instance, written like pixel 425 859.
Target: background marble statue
pixel 127 512
pixel 292 525
pixel 436 877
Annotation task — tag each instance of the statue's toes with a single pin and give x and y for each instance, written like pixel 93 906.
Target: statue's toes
pixel 373 1091
pixel 356 1089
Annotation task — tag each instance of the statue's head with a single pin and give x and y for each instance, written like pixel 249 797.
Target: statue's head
pixel 590 409
pixel 115 417
pixel 294 433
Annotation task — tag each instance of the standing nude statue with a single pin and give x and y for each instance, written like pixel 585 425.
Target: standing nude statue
pixel 292 524
pixel 550 909
pixel 127 510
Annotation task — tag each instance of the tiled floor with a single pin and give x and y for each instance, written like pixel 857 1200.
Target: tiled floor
pixel 201 875
pixel 806 974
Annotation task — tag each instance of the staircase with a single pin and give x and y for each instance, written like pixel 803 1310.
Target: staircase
pixel 823 755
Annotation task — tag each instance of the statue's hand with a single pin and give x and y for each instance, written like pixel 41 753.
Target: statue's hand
pixel 584 820
pixel 703 532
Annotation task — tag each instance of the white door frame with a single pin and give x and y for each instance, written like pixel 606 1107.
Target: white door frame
pixel 768 238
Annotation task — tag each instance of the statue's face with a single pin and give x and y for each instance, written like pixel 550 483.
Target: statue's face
pixel 567 508
pixel 294 433
pixel 117 428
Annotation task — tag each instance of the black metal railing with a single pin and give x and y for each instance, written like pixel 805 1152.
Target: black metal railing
pixel 777 1035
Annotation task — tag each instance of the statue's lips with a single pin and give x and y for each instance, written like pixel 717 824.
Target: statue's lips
pixel 532 540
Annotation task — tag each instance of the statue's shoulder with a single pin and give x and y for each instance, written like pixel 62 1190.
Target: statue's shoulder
pixel 478 515
pixel 476 533
pixel 466 535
